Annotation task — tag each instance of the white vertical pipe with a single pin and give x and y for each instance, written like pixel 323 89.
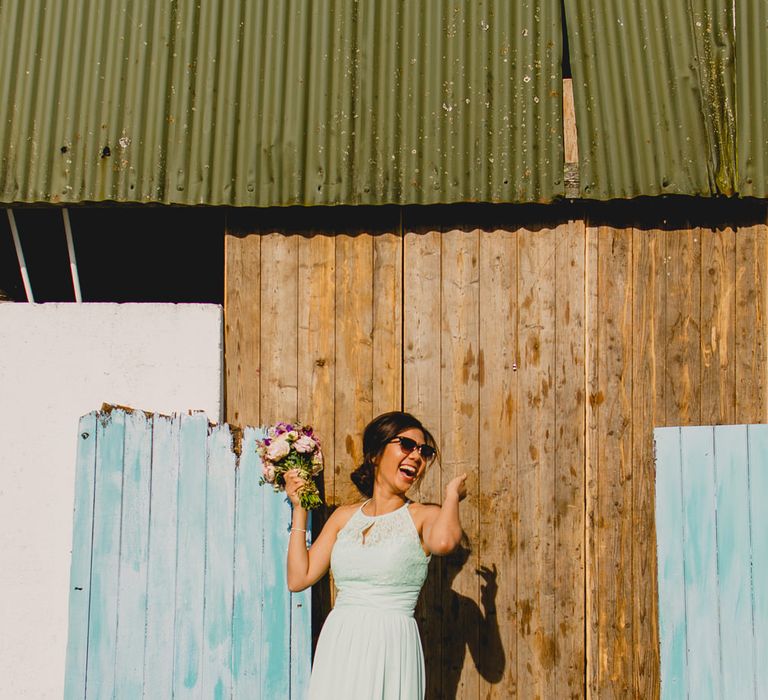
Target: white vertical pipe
pixel 20 256
pixel 72 258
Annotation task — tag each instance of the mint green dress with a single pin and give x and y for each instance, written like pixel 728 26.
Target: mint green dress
pixel 369 647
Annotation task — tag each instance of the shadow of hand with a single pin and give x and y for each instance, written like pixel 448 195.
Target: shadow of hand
pixel 489 588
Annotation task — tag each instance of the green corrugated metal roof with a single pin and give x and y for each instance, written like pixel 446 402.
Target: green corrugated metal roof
pixel 752 96
pixel 671 98
pixel 377 101
pixel 280 102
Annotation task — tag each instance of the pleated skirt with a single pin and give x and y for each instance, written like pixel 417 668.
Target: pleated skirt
pixel 368 654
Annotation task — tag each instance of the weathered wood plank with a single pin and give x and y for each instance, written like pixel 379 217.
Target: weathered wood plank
pixel 758 488
pixel 669 527
pixel 421 373
pixel 570 141
pixel 592 444
pixel 733 561
pixel 190 556
pixel 706 547
pixel 161 564
pixel 216 677
pixel 649 288
pixel 300 655
pixel 275 615
pixel 569 418
pixel 421 331
pixel 613 523
pixel 700 568
pixel 387 323
pixel 134 546
pixel 250 531
pixel 316 338
pixel 570 136
pixel 317 373
pixel 102 621
pixel 536 653
pixel 718 312
pixel 682 332
pixel 751 328
pixel 497 457
pixel 354 358
pixel 80 565
pixel 242 327
pixel 279 326
pixel 459 344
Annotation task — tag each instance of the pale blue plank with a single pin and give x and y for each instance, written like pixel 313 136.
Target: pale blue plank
pixel 161 564
pixel 190 558
pixel 276 670
pixel 220 543
pixel 248 582
pixel 758 492
pixel 80 565
pixel 132 589
pixel 669 539
pixel 700 552
pixel 301 635
pixel 102 628
pixel 733 561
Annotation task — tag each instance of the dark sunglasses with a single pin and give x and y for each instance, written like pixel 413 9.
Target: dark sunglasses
pixel 408 445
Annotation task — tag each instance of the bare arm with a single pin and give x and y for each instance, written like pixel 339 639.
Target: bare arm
pixel 442 527
pixel 306 567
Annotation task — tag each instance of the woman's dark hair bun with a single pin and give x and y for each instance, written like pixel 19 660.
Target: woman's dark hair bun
pixel 363 477
pixel 376 436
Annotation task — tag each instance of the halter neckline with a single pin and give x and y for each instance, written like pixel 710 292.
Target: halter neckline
pixel 383 515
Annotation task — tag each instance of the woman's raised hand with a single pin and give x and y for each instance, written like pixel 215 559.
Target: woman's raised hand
pixel 457 487
pixel 293 485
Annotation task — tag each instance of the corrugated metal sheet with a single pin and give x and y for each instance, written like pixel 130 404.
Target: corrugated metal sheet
pixel 654 90
pixel 752 93
pixel 670 98
pixel 276 103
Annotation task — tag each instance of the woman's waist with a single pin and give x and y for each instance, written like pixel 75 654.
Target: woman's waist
pixel 389 598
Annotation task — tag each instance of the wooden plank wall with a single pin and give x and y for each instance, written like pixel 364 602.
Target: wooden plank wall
pixel 483 366
pixel 175 550
pixel 713 548
pixel 676 317
pixel 542 346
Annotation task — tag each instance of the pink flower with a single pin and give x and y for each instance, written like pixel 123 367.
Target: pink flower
pixel 278 449
pixel 304 444
pixel 269 472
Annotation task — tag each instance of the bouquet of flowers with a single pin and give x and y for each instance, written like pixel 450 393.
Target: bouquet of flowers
pixel 291 446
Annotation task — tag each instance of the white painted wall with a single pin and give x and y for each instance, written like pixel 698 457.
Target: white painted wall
pixel 58 362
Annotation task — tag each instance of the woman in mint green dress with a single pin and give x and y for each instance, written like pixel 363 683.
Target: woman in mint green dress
pixel 379 550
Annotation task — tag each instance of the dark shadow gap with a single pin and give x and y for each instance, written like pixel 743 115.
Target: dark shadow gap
pixel 123 254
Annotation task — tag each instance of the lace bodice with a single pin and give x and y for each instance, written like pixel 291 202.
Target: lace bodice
pixel 378 561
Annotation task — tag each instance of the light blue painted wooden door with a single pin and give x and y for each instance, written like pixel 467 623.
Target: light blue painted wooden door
pixel 178 567
pixel 712 537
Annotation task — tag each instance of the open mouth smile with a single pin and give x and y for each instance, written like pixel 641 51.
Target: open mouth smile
pixel 408 471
